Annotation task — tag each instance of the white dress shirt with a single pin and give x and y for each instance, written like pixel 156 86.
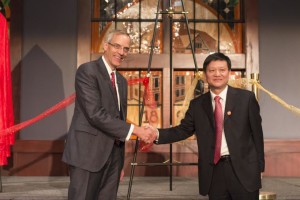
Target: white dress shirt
pixel 109 70
pixel 223 94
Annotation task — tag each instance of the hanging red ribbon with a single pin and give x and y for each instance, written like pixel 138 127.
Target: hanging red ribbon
pixel 150 112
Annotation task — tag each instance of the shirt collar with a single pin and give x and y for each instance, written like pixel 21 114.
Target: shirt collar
pixel 222 94
pixel 107 66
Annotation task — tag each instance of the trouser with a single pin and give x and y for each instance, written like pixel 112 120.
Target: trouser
pixel 226 185
pixel 102 185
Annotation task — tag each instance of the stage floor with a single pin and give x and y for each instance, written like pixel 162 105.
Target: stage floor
pixel 184 188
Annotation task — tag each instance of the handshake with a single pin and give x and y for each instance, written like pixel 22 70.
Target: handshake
pixel 147 133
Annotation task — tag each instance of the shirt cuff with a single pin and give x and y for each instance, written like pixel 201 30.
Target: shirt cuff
pixel 130 132
pixel 157 137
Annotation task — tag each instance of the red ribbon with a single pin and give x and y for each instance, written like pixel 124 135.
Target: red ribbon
pixel 69 100
pixel 7 134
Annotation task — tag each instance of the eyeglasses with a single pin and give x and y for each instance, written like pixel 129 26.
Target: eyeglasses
pixel 119 47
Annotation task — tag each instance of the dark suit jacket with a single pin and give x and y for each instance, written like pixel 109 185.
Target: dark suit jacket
pixel 243 132
pixel 96 121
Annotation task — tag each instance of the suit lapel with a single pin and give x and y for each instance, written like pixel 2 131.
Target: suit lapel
pixel 230 102
pixel 120 85
pixel 107 80
pixel 122 92
pixel 207 107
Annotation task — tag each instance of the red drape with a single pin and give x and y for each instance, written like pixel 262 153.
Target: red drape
pixel 6 105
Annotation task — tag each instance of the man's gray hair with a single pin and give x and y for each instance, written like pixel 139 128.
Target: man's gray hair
pixel 110 35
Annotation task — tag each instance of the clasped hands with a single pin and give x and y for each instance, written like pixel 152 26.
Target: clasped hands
pixel 146 133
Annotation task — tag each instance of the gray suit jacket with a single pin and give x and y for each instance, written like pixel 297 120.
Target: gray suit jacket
pixel 243 132
pixel 96 121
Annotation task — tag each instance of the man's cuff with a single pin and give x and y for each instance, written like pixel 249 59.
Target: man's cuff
pixel 130 132
pixel 157 137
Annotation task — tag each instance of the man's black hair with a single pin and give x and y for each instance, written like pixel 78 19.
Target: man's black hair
pixel 214 57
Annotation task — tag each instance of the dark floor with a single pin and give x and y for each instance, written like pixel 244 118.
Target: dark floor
pixel 55 188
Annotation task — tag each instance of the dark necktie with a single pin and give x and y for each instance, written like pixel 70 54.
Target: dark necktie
pixel 219 128
pixel 113 82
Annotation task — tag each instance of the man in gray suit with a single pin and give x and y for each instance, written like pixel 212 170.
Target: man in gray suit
pixel 94 148
pixel 229 167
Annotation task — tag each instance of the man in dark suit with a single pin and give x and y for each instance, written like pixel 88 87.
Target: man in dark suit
pixel 94 147
pixel 231 168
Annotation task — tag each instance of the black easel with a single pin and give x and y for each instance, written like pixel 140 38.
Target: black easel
pixel 170 12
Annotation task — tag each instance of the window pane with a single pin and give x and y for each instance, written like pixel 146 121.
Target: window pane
pixel 181 42
pixel 206 37
pixel 149 8
pixel 231 40
pixel 188 6
pixel 209 30
pixel 141 43
pixel 106 9
pixel 147 35
pixel 206 9
pixel 230 9
pixel 224 9
pixel 128 9
pixel 180 87
pixel 136 93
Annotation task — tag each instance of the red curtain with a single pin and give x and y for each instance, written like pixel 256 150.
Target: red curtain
pixel 6 104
